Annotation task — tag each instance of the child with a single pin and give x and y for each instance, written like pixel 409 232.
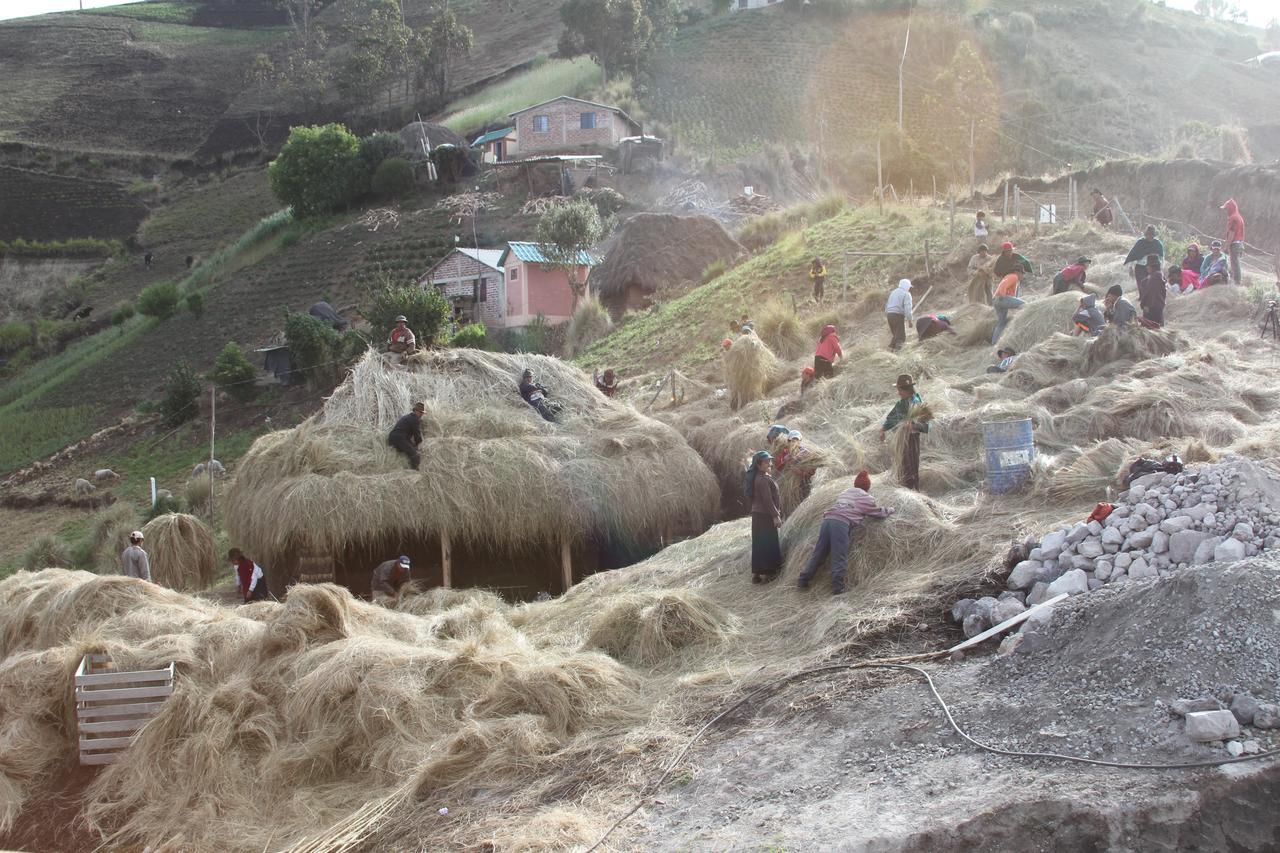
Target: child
pixel 980 225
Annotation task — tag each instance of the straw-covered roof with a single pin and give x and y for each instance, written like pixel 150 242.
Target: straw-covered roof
pixel 652 249
pixel 493 473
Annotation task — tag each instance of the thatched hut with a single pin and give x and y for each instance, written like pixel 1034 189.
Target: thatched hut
pixel 653 250
pixel 503 499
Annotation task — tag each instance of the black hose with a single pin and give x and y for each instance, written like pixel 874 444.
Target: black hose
pixel 821 670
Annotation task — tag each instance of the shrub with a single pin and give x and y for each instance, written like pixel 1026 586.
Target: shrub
pixel 394 177
pixel 195 303
pixel 607 200
pixel 159 300
pixel 196 493
pixel 46 552
pixel 471 336
pixel 377 147
pixel 234 373
pixel 165 504
pixel 425 309
pixel 451 162
pixel 123 314
pixel 107 536
pixel 182 390
pixel 14 335
pixel 714 270
pixel 589 323
pixel 312 345
pixel 318 170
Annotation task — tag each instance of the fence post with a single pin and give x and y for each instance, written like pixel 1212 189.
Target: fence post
pixel 1017 203
pixel 844 277
pixel 927 271
pixel 1005 213
pixel 879 177
pixel 951 198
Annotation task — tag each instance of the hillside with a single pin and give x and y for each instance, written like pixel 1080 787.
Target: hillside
pixel 1070 88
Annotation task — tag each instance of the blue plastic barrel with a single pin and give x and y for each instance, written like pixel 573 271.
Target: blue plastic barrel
pixel 1011 449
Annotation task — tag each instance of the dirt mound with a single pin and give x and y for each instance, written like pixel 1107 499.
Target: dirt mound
pixel 654 250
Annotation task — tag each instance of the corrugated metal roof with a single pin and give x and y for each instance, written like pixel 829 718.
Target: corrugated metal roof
pixel 488 257
pixel 492 135
pixel 532 253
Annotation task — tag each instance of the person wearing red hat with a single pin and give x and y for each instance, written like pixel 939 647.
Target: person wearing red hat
pixel 1009 269
pixel 850 510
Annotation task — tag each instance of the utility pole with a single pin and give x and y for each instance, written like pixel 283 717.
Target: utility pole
pixel 879 178
pixel 213 423
pixel 972 170
pixel 906 41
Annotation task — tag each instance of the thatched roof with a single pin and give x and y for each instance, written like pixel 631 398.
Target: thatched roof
pixel 658 248
pixel 436 134
pixel 493 473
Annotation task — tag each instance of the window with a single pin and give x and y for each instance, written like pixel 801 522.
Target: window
pixel 480 292
pixel 541 124
pixel 515 274
pixel 587 121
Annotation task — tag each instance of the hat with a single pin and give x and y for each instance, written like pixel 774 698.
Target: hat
pixel 1115 290
pixel 983 247
pixel 904 284
pixel 945 318
pixel 137 534
pixel 1084 260
pixel 400 318
pixel 726 343
pixel 808 370
pixel 775 431
pixel 1006 246
pixel 1004 352
pixel 1216 244
pixel 795 435
pixel 404 561
pixel 905 382
pixel 862 481
pixel 746 329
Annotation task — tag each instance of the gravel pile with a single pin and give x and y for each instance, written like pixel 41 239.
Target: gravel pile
pixel 1213 513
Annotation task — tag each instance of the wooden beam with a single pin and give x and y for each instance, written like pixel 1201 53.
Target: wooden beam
pixel 446 562
pixel 566 563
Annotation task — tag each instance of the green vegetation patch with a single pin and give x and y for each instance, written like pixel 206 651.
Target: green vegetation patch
pixel 547 80
pixel 28 434
pixel 162 11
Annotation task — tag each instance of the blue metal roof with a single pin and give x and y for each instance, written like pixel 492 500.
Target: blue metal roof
pixel 532 253
pixel 492 135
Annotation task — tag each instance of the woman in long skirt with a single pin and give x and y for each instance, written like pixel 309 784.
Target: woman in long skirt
pixel 766 518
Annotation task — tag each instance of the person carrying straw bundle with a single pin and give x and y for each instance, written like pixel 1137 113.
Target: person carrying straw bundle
pixel 980 276
pixel 907 420
pixel 766 517
pixel 854 506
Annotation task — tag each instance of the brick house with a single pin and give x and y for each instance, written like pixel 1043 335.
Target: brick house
pixel 474 282
pixel 535 287
pixel 566 124
pixel 736 5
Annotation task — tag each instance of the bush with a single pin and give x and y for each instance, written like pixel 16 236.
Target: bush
pixel 196 493
pixel 471 336
pixel 451 162
pixel 589 323
pixel 318 170
pixel 123 314
pixel 714 270
pixel 234 373
pixel 394 177
pixel 426 310
pixel 313 344
pixel 607 201
pixel 14 335
pixel 195 303
pixel 165 504
pixel 159 300
pixel 46 552
pixel 182 390
pixel 377 147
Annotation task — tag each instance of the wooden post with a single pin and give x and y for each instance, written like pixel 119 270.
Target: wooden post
pixel 972 169
pixel 934 199
pixel 879 177
pixel 1017 203
pixel 213 425
pixel 446 562
pixel 566 563
pixel 926 258
pixel 844 277
pixel 951 199
pixel 1005 214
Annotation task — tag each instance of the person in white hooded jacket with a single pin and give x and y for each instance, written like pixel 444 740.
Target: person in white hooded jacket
pixel 898 312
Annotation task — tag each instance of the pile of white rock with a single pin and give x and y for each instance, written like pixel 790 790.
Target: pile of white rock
pixel 1212 513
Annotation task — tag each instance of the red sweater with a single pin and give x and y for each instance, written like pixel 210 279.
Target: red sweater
pixel 829 346
pixel 1235 222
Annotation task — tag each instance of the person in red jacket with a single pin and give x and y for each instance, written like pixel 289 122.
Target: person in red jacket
pixel 1235 236
pixel 824 357
pixel 250 582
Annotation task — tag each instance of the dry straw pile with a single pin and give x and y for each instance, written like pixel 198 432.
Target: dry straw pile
pixel 181 552
pixel 751 370
pixel 494 473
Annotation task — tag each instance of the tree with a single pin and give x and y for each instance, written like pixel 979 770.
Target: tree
pixel 620 35
pixel 425 309
pixel 961 97
pixel 260 77
pixel 565 233
pixel 437 47
pixel 159 300
pixel 380 49
pixel 393 177
pixel 318 170
pixel 182 389
pixel 234 373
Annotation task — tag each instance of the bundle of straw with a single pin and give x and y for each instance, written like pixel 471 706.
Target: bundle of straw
pixel 181 550
pixel 919 413
pixel 751 370
pixel 797 476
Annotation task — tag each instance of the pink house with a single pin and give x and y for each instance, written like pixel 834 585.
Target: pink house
pixel 536 287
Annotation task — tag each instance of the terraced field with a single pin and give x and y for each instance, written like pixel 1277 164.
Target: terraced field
pixel 53 207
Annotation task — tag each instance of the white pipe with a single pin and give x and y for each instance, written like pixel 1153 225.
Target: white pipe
pixel 153 492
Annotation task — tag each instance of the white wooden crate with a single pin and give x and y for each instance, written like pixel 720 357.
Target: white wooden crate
pixel 111 706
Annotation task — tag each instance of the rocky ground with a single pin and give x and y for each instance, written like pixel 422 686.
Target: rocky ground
pixel 867 762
